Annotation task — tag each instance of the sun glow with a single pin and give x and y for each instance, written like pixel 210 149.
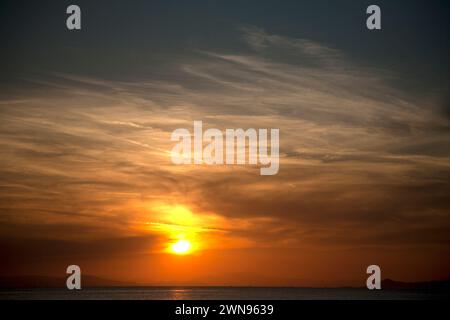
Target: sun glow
pixel 183 231
pixel 181 247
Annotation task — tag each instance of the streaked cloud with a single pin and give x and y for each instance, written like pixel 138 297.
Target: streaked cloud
pixel 362 163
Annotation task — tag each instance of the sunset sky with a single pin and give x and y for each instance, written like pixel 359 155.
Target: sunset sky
pixel 86 117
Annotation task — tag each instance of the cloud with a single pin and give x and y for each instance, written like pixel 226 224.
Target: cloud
pixel 361 163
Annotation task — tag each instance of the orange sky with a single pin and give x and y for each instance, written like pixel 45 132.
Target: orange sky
pixel 86 175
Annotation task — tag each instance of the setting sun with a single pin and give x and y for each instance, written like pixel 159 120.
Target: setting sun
pixel 181 247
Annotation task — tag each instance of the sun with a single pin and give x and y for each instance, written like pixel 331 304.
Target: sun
pixel 181 247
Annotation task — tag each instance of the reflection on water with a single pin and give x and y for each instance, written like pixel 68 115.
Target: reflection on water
pixel 179 294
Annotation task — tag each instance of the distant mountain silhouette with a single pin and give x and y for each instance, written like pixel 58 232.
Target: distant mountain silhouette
pixel 33 281
pixel 440 286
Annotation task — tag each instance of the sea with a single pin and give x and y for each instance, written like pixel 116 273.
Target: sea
pixel 219 293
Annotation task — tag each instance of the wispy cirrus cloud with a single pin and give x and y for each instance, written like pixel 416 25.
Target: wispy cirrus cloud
pixel 362 164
